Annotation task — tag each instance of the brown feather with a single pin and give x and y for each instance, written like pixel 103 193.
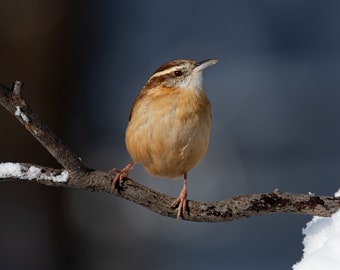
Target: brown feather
pixel 169 130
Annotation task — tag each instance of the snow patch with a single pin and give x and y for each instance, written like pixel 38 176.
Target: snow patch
pixel 321 243
pixel 19 113
pixel 17 170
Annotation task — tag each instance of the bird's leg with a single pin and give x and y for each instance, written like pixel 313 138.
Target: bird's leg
pixel 181 201
pixel 121 174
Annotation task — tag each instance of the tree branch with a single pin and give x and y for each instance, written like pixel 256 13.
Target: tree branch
pixel 76 175
pixel 14 103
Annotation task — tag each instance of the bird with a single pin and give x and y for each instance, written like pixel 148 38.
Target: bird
pixel 169 124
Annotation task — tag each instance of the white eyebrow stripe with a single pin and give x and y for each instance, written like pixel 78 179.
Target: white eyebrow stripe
pixel 163 72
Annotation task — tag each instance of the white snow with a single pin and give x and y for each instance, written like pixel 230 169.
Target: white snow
pixel 321 243
pixel 23 116
pixel 20 171
pixel 337 194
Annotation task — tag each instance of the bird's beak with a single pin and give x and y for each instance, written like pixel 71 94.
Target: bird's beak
pixel 204 64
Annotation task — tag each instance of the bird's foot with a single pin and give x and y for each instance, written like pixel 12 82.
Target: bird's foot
pixel 181 201
pixel 120 175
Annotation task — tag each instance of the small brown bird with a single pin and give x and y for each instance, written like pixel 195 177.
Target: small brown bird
pixel 169 124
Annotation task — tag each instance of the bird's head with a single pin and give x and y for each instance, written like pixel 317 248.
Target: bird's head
pixel 180 74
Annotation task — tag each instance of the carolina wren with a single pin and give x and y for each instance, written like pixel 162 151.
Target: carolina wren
pixel 169 124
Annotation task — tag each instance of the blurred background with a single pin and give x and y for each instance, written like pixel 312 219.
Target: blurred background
pixel 275 95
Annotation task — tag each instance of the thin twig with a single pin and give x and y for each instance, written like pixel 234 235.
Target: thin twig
pixel 13 101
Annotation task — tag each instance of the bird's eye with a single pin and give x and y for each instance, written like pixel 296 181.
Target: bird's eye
pixel 178 73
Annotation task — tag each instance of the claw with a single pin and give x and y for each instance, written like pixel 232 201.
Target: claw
pixel 120 175
pixel 181 201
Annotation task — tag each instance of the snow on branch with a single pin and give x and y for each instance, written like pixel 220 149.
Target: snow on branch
pixel 30 172
pixel 74 174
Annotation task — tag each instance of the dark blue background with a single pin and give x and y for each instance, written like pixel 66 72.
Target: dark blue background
pixel 275 97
